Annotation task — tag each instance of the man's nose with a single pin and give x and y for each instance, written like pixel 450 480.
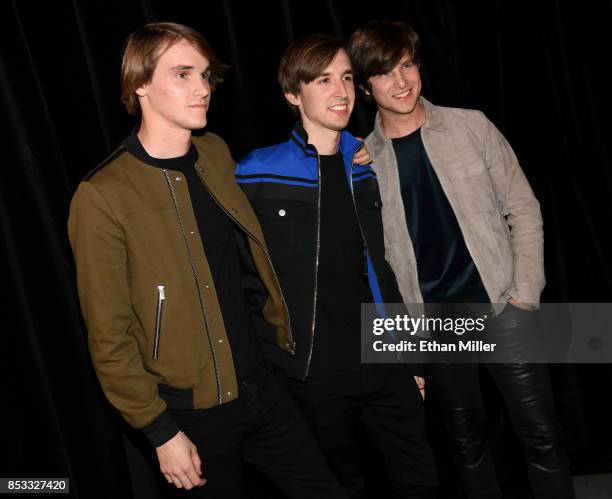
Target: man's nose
pixel 340 90
pixel 202 88
pixel 398 79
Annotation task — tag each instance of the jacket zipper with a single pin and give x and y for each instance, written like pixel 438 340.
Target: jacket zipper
pixel 252 236
pixel 161 300
pixel 365 244
pixel 198 288
pixel 316 276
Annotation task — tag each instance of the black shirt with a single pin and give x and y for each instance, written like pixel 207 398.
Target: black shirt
pixel 446 270
pixel 341 283
pixel 219 234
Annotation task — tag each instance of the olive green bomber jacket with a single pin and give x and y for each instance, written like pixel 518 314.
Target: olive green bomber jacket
pixel 146 290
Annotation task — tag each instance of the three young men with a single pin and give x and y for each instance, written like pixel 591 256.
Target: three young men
pixel 320 215
pixel 164 242
pixel 461 225
pixel 162 238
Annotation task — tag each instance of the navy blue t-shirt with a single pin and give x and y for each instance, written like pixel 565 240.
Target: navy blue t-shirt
pixel 446 270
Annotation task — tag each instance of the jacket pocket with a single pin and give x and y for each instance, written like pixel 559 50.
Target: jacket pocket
pixel 285 224
pixel 159 313
pixel 370 200
pixel 473 185
pixel 280 209
pixel 469 166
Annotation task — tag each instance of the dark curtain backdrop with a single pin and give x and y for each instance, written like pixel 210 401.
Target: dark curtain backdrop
pixel 537 68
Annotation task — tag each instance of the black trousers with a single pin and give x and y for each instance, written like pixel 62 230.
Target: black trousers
pixel 386 402
pixel 527 393
pixel 264 427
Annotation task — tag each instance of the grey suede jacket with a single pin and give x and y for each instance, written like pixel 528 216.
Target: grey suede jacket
pixel 495 207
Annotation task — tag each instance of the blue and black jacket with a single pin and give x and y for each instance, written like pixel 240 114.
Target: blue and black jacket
pixel 282 184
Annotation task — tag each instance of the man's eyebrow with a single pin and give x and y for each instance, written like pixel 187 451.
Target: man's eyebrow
pixel 186 67
pixel 346 71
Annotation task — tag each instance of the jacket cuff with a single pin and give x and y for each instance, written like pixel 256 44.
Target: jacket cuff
pixel 162 429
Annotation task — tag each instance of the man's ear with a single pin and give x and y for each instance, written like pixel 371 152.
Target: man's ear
pixel 141 91
pixel 293 99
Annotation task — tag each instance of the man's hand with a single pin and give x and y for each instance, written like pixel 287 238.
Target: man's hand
pixel 421 384
pixel 520 304
pixel 362 156
pixel 180 463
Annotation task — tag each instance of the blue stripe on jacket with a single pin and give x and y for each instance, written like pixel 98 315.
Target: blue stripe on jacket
pixel 295 159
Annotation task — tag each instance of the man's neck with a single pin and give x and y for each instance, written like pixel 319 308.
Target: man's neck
pixel 325 141
pixel 394 125
pixel 164 142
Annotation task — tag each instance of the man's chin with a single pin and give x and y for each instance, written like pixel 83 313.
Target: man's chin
pixel 198 125
pixel 402 109
pixel 337 126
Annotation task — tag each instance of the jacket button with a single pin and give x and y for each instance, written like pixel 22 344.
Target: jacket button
pixel 178 179
pixel 192 232
pixel 221 340
pixel 229 394
pixel 234 210
pixel 282 213
pixel 207 286
pixel 377 204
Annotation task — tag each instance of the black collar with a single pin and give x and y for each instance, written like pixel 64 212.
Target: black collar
pixel 300 137
pixel 133 145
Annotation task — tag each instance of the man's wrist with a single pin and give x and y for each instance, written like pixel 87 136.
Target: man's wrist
pixel 162 429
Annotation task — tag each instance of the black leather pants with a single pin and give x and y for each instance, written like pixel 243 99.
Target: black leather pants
pixel 527 393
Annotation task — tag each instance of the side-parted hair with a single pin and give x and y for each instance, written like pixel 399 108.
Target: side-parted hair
pixel 305 60
pixel 145 46
pixel 378 46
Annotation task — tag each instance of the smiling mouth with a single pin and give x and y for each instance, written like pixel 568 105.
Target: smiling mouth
pixel 339 108
pixel 405 93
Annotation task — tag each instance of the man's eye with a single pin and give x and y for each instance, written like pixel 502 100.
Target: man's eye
pixel 206 75
pixel 324 80
pixel 348 77
pixel 182 76
pixel 408 64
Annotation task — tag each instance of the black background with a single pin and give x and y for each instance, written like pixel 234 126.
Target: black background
pixel 537 68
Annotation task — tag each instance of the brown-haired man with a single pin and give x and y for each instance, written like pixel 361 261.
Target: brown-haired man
pixel 158 231
pixel 461 225
pixel 320 214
